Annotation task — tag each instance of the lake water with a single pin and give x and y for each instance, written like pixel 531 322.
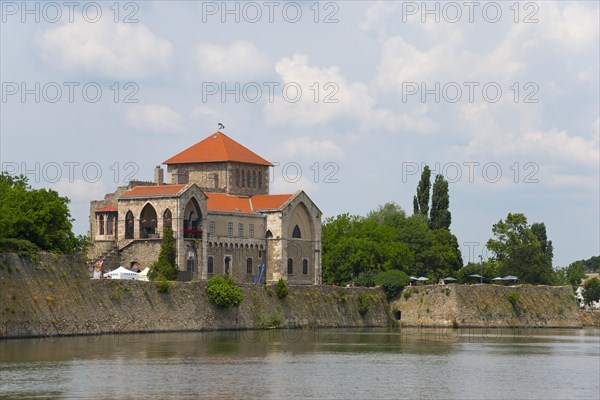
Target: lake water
pixel 308 364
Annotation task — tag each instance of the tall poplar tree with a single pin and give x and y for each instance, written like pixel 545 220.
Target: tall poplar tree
pixel 421 200
pixel 439 216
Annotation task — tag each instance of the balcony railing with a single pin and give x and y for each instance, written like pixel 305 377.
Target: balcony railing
pixel 192 233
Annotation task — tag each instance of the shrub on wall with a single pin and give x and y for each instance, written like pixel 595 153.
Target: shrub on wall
pixel 281 289
pixel 222 291
pixel 363 303
pixel 165 267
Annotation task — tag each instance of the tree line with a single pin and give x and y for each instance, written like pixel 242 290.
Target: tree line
pixel 35 219
pixel 356 249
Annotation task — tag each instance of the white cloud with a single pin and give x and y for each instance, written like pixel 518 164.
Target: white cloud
pixel 307 147
pixel 242 60
pixel 575 28
pixel 119 51
pixel 80 189
pixel 292 183
pixel 156 118
pixel 327 95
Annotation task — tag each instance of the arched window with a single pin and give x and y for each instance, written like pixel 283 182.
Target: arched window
pixel 237 177
pixel 129 225
pixel 227 265
pixel 110 225
pixel 148 222
pixel 101 225
pixel 253 179
pixel 248 178
pixel 167 219
pixel 259 180
pixel 191 259
pixel 192 220
pixel 305 267
pixel 249 266
pixel 296 234
pixel 243 178
pixel 269 234
pixel 290 266
pixel 209 268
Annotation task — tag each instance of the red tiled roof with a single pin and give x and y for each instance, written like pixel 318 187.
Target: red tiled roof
pixel 269 201
pixel 217 147
pixel 225 202
pixel 107 209
pixel 151 191
pixel 228 203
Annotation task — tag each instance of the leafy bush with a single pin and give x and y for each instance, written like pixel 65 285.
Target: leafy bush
pixel 366 279
pixel 342 296
pixel 392 282
pixel 591 290
pixel 363 303
pixel 281 289
pixel 223 292
pixel 407 294
pixel 513 299
pixel 166 266
pixel 162 286
pixel 20 246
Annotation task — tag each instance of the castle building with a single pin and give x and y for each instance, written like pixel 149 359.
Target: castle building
pixel 223 218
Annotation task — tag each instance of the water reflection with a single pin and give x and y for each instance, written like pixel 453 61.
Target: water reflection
pixel 357 363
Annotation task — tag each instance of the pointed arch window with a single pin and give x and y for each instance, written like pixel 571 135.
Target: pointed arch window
pixel 290 266
pixel 129 225
pixel 249 266
pixel 167 219
pixel 296 234
pixel 101 225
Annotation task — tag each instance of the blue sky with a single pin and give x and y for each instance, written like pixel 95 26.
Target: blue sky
pixel 350 99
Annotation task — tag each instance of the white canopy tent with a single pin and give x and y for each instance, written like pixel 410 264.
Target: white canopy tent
pixel 121 273
pixel 143 276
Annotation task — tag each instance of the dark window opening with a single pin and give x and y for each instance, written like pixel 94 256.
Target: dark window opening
pixel 305 267
pixel 296 234
pixel 249 266
pixel 209 268
pixel 290 267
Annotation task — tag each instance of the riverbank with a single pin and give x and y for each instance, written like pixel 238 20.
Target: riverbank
pixel 483 305
pixel 53 295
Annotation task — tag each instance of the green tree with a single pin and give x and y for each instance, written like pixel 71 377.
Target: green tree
pixel 353 245
pixel 519 252
pixel 591 290
pixel 439 216
pixel 281 289
pixel 36 216
pixel 421 199
pixel 489 269
pixel 166 265
pixel 392 282
pixel 572 274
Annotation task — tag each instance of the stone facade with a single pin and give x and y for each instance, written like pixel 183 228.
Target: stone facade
pixel 233 233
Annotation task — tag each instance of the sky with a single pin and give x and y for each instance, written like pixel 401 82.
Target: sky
pixel 349 100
